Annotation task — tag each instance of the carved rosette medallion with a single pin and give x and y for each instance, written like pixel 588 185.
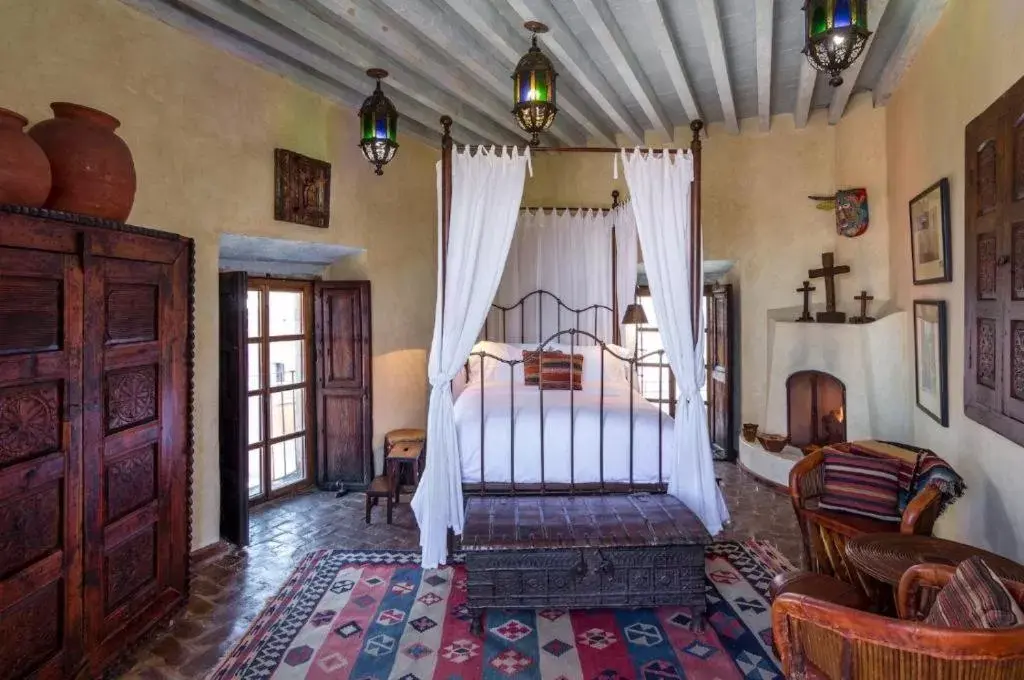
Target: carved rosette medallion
pixel 29 423
pixel 131 397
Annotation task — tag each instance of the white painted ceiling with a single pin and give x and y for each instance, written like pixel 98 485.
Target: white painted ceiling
pixel 626 67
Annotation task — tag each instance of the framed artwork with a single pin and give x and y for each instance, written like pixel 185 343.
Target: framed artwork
pixel 929 235
pixel 931 352
pixel 302 189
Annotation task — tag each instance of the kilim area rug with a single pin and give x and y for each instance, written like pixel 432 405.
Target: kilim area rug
pixel 377 615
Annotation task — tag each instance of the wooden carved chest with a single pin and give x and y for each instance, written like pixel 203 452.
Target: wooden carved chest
pixel 642 550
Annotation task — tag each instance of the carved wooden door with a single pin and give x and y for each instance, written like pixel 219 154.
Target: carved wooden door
pixel 40 458
pixel 134 437
pixel 719 367
pixel 994 279
pixel 234 409
pixel 344 411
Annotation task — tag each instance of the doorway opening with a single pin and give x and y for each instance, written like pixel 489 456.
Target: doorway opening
pixel 280 332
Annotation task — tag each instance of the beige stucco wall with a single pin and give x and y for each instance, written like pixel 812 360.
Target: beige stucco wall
pixel 970 59
pixel 756 212
pixel 202 126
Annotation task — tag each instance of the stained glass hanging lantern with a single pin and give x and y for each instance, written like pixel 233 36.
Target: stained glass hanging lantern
pixel 378 119
pixel 837 31
pixel 534 95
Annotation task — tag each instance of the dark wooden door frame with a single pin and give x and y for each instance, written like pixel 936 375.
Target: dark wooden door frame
pixel 234 408
pixel 720 368
pixel 329 386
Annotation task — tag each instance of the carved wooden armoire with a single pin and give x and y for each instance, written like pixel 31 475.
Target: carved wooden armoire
pixel 95 438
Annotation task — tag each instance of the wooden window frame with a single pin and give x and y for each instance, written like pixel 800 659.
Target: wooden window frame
pixel 265 286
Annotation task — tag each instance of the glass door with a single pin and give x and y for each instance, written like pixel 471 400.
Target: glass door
pixel 279 386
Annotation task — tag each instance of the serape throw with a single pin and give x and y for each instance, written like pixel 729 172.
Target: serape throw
pixel 561 372
pixel 861 485
pixel 531 364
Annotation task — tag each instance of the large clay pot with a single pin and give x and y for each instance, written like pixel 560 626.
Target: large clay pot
pixel 92 168
pixel 24 169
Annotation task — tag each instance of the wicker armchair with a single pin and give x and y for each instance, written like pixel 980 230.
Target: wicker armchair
pixel 817 639
pixel 825 533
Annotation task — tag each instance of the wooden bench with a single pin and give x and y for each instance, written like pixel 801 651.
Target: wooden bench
pixel 624 551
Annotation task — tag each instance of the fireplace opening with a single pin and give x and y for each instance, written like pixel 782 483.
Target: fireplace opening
pixel 817 409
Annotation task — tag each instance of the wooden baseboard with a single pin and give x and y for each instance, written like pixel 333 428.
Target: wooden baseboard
pixel 777 488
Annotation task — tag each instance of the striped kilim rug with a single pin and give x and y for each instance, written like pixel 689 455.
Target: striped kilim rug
pixel 377 615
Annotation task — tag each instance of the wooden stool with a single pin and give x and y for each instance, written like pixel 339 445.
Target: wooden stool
pixel 404 455
pixel 379 488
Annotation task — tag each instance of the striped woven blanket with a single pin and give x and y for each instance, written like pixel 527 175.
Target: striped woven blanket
pixel 919 468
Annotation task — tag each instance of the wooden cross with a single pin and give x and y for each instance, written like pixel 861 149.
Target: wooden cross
pixel 806 290
pixel 829 271
pixel 864 300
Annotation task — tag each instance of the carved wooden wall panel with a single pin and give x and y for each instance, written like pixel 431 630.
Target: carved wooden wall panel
pixel 987 176
pixel 987 267
pixel 131 313
pixel 29 422
pixel 131 397
pixel 30 528
pixel 29 314
pixel 31 631
pixel 1017 361
pixel 1018 159
pixel 1017 261
pixel 129 567
pixel 987 352
pixel 130 482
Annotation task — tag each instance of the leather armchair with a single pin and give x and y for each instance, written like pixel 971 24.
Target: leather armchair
pixel 825 533
pixel 818 639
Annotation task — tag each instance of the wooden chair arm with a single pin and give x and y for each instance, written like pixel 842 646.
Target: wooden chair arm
pixel 911 600
pixel 921 512
pixel 798 491
pixel 864 628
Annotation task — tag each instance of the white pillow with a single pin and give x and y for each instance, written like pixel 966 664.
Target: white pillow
pixel 495 370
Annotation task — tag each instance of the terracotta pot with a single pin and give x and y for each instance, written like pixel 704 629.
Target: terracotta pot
pixel 750 432
pixel 93 171
pixel 773 442
pixel 24 169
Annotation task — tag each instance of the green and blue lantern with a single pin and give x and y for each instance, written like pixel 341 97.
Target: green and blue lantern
pixel 534 94
pixel 836 33
pixel 378 119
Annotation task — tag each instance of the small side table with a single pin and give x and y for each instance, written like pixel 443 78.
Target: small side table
pixel 403 454
pixel 885 557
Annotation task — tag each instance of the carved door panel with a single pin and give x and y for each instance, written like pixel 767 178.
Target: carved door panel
pixel 984 244
pixel 40 461
pixel 344 413
pixel 1011 215
pixel 719 378
pixel 135 392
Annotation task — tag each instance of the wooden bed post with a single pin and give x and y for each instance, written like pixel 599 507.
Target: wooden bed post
pixel 696 249
pixel 616 331
pixel 446 207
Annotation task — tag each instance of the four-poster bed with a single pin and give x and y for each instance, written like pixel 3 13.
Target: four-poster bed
pixel 579 517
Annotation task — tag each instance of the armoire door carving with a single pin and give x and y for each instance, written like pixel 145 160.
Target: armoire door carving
pixel 94 440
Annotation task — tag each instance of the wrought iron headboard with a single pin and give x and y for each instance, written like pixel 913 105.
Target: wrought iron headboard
pixel 499 316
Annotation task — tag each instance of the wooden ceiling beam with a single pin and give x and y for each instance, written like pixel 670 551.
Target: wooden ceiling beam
pixel 764 26
pixel 925 15
pixel 804 94
pixel 602 24
pixel 711 23
pixel 666 45
pixel 841 95
pixel 563 46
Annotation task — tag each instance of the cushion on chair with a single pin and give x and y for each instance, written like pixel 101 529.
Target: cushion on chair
pixel 404 435
pixel 974 598
pixel 531 364
pixel 861 485
pixel 561 372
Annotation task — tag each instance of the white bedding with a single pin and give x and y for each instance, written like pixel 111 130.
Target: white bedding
pixel 497 426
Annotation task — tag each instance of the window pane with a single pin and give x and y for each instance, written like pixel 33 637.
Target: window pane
pixel 252 312
pixel 647 302
pixel 287 462
pixel 285 312
pixel 286 362
pixel 255 473
pixel 255 381
pixel 255 420
pixel 287 412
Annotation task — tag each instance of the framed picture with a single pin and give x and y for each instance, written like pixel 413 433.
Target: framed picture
pixel 931 352
pixel 929 235
pixel 302 189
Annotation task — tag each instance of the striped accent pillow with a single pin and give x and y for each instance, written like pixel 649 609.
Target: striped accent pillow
pixel 861 485
pixel 531 364
pixel 974 598
pixel 561 372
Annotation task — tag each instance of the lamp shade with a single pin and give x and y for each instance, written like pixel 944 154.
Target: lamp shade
pixel 378 124
pixel 634 316
pixel 835 36
pixel 534 88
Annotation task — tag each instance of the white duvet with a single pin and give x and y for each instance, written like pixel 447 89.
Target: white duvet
pixel 585 465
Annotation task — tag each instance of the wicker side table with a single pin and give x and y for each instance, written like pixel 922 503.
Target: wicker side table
pixel 883 558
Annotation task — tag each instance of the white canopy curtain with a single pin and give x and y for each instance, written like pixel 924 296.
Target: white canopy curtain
pixel 569 254
pixel 659 185
pixel 486 190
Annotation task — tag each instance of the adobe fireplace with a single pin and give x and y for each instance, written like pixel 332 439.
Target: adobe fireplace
pixel 816 407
